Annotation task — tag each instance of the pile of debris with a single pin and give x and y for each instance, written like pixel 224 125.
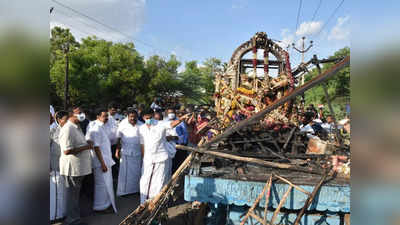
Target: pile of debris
pixel 256 124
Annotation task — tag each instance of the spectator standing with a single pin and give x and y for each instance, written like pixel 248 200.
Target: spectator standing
pixel 155 168
pixel 75 163
pixel 83 121
pixel 102 163
pixel 130 154
pixel 57 190
pixel 172 138
pixel 156 104
pixel 183 139
pixel 111 129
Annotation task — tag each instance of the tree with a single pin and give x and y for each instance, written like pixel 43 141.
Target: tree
pixel 338 87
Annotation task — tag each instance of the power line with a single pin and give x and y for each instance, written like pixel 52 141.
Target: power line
pixel 316 10
pixel 107 26
pixel 298 15
pixel 89 25
pixel 331 16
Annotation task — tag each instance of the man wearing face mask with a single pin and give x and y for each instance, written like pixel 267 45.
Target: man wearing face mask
pixel 155 166
pixel 130 154
pixel 172 138
pixel 102 163
pixel 83 121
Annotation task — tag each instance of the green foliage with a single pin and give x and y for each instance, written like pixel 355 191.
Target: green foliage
pixel 101 71
pixel 338 87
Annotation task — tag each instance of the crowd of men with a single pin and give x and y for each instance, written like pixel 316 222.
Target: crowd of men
pixel 315 124
pixel 136 147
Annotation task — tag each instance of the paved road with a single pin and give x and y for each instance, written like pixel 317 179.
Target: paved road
pixel 125 205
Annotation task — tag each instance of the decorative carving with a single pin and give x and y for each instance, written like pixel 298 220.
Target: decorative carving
pixel 239 95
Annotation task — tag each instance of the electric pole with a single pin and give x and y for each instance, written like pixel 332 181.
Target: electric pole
pixel 66 82
pixel 302 51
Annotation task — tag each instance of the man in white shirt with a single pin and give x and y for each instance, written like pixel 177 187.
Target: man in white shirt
pixel 329 125
pixel 155 166
pixel 156 104
pixel 130 154
pixel 102 163
pixel 111 129
pixel 172 138
pixel 75 163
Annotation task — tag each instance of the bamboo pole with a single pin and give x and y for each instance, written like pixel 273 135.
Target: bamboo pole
pixel 291 184
pixel 267 197
pixel 256 201
pixel 310 199
pixel 258 218
pixel 283 200
pixel 147 207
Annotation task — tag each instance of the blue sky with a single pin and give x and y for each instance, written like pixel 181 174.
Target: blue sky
pixel 196 30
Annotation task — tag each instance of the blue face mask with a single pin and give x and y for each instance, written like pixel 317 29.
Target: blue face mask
pixel 149 121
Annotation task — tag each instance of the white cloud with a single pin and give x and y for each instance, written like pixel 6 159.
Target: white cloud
pixel 287 38
pixel 341 31
pixel 309 28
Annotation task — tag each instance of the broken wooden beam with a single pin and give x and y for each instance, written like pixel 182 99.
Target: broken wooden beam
pixel 250 160
pixel 310 199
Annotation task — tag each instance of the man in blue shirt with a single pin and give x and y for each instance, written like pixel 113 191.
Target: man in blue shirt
pixel 183 139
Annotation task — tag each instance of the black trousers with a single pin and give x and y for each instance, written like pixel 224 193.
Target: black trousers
pixel 115 168
pixel 180 156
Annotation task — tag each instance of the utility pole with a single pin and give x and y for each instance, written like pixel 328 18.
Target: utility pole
pixel 66 82
pixel 302 51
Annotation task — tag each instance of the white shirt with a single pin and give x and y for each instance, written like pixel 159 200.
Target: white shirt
pixel 171 144
pixel 308 130
pixel 154 106
pixel 130 138
pixel 125 120
pixel 328 127
pixel 154 140
pixel 111 129
pixel 98 135
pixel 80 164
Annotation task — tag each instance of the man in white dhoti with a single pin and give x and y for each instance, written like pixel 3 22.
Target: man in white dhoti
pixel 57 192
pixel 129 153
pixel 75 163
pixel 102 163
pixel 155 167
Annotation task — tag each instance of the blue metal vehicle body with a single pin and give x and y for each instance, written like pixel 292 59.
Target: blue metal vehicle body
pixel 230 199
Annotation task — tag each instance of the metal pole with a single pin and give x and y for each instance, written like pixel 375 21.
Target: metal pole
pixel 302 51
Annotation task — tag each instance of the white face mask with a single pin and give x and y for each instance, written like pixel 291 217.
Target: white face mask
pixel 81 117
pixel 171 116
